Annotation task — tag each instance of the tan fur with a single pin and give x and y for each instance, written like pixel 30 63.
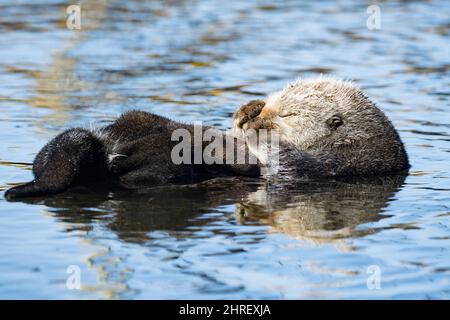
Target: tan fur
pixel 300 114
pixel 314 96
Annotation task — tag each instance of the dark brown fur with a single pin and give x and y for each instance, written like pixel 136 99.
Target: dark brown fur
pixel 141 146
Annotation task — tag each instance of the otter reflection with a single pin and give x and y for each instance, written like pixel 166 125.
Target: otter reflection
pixel 318 211
pixel 133 214
pixel 322 210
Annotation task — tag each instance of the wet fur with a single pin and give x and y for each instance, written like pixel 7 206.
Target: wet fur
pixel 134 151
pixel 327 127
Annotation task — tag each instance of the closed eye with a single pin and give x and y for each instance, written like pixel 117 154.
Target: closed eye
pixel 286 115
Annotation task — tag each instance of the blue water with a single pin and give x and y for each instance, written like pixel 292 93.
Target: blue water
pixel 200 60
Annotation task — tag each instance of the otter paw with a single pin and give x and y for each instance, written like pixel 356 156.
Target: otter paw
pixel 247 112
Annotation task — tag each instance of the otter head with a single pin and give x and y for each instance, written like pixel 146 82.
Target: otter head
pixel 328 119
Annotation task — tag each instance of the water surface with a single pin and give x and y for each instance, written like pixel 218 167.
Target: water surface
pixel 199 60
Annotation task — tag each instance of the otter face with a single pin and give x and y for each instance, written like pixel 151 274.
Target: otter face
pixel 314 112
pixel 326 116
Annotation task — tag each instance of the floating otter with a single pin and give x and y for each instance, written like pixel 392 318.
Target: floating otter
pixel 326 128
pixel 135 151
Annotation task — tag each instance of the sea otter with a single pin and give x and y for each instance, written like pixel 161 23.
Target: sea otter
pixel 326 128
pixel 134 151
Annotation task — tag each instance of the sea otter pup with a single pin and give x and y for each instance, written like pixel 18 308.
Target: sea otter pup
pixel 326 127
pixel 134 151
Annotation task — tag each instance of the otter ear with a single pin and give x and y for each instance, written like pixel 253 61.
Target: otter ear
pixel 335 121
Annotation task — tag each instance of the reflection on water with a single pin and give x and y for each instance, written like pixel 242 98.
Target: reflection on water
pixel 132 215
pixel 318 212
pixel 227 238
pixel 321 211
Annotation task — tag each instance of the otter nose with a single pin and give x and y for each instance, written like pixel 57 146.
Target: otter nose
pixel 266 113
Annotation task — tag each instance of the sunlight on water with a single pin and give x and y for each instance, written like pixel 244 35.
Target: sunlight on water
pixel 232 238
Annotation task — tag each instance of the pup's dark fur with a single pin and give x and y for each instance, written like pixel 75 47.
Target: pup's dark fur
pixel 134 151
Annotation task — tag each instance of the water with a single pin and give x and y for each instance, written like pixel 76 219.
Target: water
pixel 199 60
